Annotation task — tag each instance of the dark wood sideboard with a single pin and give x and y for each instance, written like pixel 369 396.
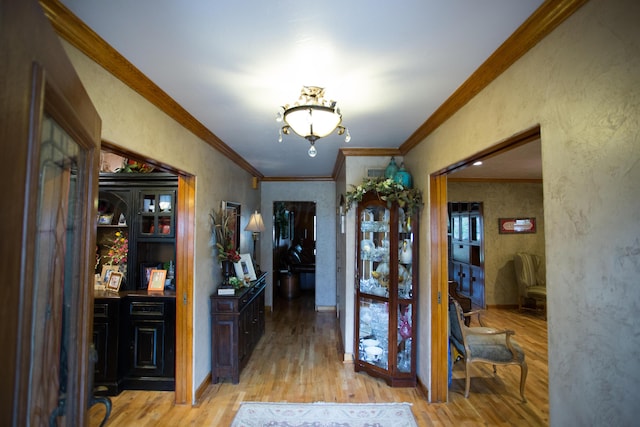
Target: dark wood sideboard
pixel 237 324
pixel 134 335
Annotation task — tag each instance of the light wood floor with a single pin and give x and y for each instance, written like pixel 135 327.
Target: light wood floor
pixel 298 361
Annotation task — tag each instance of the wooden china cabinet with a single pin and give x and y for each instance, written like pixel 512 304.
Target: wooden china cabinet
pixel 386 291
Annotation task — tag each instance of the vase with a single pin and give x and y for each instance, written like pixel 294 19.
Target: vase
pixel 403 177
pixel 392 168
pixel 228 270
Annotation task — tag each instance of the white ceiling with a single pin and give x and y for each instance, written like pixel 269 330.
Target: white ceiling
pixel 522 162
pixel 231 64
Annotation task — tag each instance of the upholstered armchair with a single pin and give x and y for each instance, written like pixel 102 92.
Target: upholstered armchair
pixel 484 345
pixel 530 275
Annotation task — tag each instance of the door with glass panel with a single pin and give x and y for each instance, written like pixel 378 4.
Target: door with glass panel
pixel 50 133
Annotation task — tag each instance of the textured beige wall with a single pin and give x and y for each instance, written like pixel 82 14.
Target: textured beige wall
pixel 582 85
pixel 131 122
pixel 503 200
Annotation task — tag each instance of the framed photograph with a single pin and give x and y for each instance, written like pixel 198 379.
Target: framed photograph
pixel 145 272
pixel 232 210
pixel 516 225
pixel 156 281
pixel 107 270
pixel 115 279
pixel 244 268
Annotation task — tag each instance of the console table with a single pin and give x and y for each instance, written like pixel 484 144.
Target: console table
pixel 237 324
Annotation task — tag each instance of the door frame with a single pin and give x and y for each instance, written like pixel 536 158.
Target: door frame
pixel 439 258
pixel 185 243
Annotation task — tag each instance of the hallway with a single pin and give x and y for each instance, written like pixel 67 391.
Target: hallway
pixel 297 360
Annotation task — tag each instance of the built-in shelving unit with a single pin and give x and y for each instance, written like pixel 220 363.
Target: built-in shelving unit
pixel 466 249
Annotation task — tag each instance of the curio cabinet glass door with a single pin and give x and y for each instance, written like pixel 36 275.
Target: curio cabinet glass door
pixel 386 291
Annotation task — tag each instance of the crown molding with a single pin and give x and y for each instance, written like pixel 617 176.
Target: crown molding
pixel 297 178
pixel 343 153
pixel 78 34
pixel 497 180
pixel 544 20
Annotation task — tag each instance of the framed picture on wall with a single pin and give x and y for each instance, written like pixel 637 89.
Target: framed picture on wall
pixel 516 225
pixel 232 211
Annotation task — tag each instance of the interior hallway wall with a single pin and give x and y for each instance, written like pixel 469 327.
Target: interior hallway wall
pixel 581 84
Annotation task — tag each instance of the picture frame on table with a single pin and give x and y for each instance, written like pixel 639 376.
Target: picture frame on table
pixel 115 280
pixel 107 270
pixel 156 280
pixel 244 268
pixel 145 272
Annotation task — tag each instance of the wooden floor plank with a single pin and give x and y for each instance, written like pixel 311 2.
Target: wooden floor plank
pixel 297 361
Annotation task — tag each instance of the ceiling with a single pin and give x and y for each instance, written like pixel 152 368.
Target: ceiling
pixel 232 64
pixel 523 162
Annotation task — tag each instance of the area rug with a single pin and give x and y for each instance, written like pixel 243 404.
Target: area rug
pixel 321 414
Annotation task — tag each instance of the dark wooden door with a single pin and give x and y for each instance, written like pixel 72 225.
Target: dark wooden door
pixel 50 136
pixel 148 347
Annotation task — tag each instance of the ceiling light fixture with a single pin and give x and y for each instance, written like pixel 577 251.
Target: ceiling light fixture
pixel 312 117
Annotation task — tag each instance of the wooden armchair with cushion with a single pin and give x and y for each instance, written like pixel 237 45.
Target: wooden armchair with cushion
pixel 485 345
pixel 465 302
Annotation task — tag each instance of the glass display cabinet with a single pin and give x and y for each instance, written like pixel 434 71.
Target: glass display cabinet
pixel 386 291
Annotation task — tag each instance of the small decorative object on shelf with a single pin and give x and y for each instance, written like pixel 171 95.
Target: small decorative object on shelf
pixel 105 219
pixel 392 168
pixel 403 177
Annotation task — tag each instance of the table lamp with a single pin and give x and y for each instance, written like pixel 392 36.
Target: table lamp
pixel 256 226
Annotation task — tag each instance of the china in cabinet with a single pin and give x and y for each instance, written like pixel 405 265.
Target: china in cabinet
pixel 386 291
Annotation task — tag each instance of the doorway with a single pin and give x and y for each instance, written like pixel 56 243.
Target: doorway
pixel 439 251
pixel 184 259
pixel 294 248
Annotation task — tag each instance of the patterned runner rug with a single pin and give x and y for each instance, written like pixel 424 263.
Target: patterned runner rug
pixel 321 414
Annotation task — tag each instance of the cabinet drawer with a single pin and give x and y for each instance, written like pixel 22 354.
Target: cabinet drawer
pixel 101 310
pixel 224 306
pixel 146 309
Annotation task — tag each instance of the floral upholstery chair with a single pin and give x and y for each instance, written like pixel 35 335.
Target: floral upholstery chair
pixel 485 345
pixel 530 275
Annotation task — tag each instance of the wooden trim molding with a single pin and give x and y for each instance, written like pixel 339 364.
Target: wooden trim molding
pixel 185 236
pixel 513 141
pixel 542 22
pixel 439 289
pixel 203 387
pixel 498 180
pixel 78 34
pixel 296 178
